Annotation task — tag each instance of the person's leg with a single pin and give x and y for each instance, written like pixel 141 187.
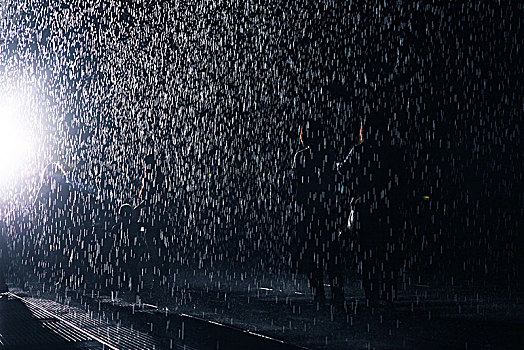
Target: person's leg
pixel 337 287
pixel 386 273
pixel 371 275
pixel 335 272
pixel 316 276
pixel 391 270
pixel 366 266
pixel 3 285
pixel 315 258
pixel 317 283
pixel 3 264
pixel 391 286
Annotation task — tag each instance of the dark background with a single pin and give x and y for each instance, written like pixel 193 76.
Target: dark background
pixel 220 87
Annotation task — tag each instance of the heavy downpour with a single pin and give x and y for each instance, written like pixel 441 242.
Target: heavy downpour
pixel 261 174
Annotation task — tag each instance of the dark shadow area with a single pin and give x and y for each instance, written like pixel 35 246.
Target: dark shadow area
pixel 20 329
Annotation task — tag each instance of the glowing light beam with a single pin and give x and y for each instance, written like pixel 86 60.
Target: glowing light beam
pixel 17 145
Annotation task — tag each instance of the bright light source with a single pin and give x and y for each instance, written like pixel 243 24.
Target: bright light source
pixel 17 145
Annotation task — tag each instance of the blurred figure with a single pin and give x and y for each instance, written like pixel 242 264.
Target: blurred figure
pixel 154 196
pixel 371 173
pixel 4 260
pixel 62 225
pixel 55 188
pixel 153 179
pixel 317 247
pixel 55 219
pixel 129 247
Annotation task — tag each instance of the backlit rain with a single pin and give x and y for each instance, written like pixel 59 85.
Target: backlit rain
pixel 261 174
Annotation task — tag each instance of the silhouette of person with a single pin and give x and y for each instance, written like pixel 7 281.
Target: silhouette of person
pixel 54 204
pixel 154 196
pixel 55 189
pixel 316 246
pixel 129 246
pixel 4 261
pixel 153 180
pixel 372 175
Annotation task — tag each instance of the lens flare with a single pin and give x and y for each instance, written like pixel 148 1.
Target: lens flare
pixel 17 145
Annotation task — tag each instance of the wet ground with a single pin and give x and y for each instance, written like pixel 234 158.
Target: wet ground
pixel 38 323
pixel 203 309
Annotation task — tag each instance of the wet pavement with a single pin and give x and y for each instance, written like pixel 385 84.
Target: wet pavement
pixel 204 310
pixel 37 323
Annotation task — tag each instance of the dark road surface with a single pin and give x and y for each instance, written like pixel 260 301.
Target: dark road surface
pixel 34 323
pixel 200 311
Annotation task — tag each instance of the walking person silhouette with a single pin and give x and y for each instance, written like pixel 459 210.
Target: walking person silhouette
pixel 371 172
pixel 317 246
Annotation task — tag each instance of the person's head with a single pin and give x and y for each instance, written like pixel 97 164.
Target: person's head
pixel 53 172
pixel 54 184
pixel 126 214
pixel 374 128
pixel 153 173
pixel 149 160
pixel 312 134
